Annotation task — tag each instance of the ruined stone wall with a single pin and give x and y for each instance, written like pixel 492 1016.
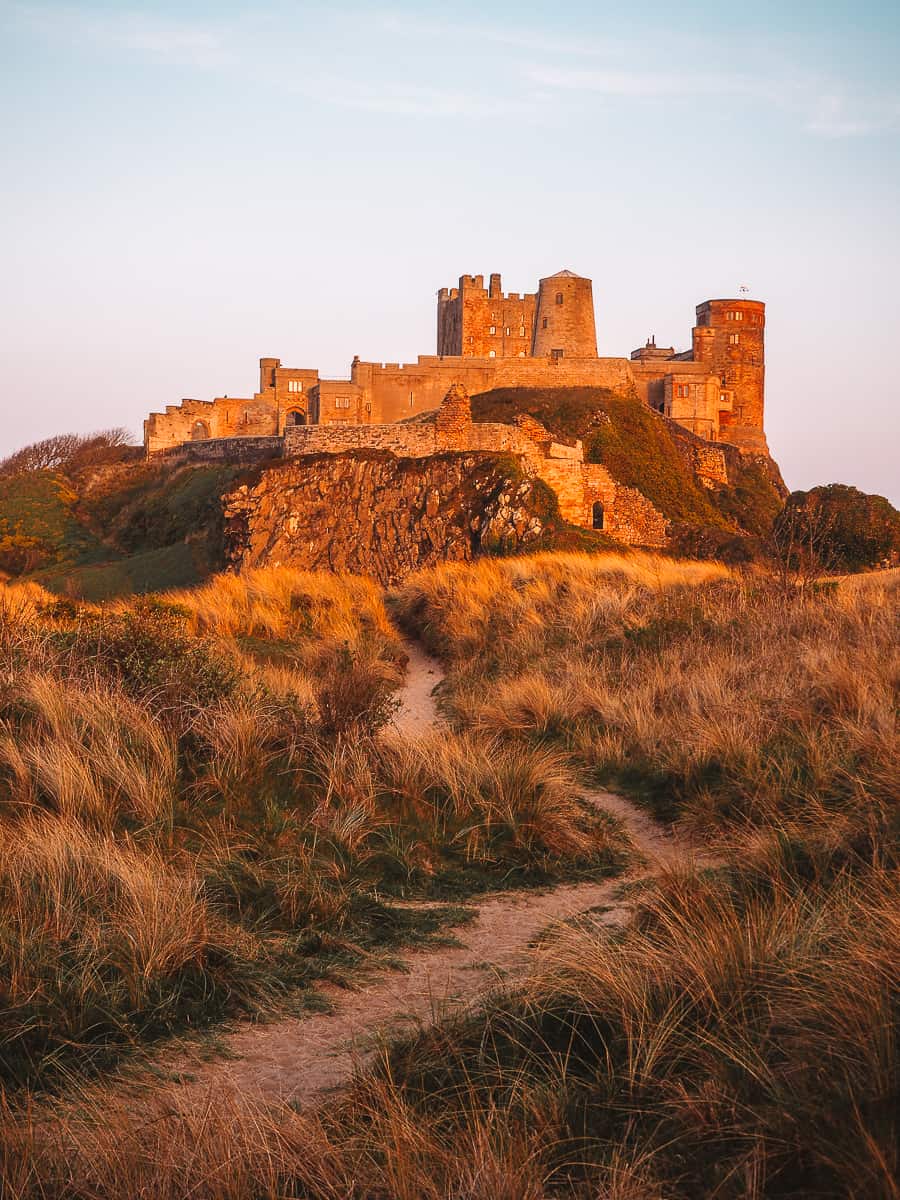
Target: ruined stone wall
pixel 374 514
pixel 709 465
pixel 196 420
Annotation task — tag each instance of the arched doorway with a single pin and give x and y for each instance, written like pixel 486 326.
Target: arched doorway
pixel 597 515
pixel 199 431
pixel 295 417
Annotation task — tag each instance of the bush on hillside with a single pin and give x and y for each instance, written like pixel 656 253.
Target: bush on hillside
pixel 842 528
pixel 68 452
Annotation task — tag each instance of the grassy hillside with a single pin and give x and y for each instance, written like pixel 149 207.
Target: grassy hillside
pixel 643 450
pixel 38 523
pixel 126 528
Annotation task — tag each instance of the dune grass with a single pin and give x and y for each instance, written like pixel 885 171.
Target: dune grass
pixel 211 772
pixel 736 1039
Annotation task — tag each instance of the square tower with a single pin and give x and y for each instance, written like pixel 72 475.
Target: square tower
pixel 475 321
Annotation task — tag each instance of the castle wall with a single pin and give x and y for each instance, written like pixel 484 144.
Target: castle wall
pixel 197 420
pixel 398 391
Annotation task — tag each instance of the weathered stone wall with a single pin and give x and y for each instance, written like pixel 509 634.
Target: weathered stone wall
pixel 374 514
pixel 231 450
pixel 396 391
pixel 709 465
pixel 197 420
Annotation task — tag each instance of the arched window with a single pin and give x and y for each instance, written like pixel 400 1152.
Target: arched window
pixel 597 515
pixel 559 297
pixel 199 431
pixel 295 417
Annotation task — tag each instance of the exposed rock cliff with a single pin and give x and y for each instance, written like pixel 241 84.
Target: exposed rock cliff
pixel 375 514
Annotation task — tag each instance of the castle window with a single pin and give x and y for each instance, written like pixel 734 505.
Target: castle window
pixel 342 402
pixel 412 399
pixel 556 354
pixel 521 354
pixel 683 390
pixel 470 339
pixel 507 331
pixel 492 353
pixel 493 329
pixel 559 297
pixel 544 324
pixel 597 515
pixel 522 331
pixel 734 339
pixel 295 385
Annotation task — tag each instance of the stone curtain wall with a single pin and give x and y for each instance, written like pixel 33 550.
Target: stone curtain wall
pixel 375 514
pixel 396 391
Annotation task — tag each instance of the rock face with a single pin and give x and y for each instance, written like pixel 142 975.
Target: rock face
pixel 375 514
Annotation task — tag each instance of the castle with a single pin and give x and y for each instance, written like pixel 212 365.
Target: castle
pixel 487 339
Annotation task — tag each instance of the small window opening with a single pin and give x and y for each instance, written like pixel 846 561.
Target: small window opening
pixel 557 354
pixel 559 297
pixel 544 323
pixel 597 515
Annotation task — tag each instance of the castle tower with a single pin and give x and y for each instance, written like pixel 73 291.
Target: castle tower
pixel 481 322
pixel 730 338
pixel 564 319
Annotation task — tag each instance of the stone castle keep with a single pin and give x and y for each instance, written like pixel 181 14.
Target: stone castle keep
pixel 487 339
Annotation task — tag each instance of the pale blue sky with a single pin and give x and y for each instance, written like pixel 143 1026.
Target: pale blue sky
pixel 189 186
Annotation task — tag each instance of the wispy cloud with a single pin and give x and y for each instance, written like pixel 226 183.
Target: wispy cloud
pixel 822 106
pixel 179 43
pixel 404 99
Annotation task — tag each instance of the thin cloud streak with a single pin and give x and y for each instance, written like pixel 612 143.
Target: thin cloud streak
pixel 173 43
pixel 823 108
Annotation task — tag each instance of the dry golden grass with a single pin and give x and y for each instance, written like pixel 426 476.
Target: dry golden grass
pixel 229 745
pixel 737 1040
pixel 276 602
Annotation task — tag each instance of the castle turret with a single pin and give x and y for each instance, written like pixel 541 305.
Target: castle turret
pixel 730 338
pixel 564 320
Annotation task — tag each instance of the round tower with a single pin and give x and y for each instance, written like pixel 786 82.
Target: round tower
pixel 564 321
pixel 730 338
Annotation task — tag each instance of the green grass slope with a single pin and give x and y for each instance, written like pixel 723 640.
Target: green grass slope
pixel 38 525
pixel 643 450
pixel 130 528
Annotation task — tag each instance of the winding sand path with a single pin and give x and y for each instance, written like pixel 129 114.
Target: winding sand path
pixel 299 1059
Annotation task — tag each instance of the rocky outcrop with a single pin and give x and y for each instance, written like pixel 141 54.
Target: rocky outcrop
pixel 376 514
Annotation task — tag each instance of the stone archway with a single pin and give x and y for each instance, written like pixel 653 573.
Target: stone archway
pixel 295 417
pixel 598 516
pixel 199 431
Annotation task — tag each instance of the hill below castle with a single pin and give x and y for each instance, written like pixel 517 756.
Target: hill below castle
pixel 129 525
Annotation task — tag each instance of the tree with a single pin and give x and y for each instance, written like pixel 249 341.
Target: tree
pixel 840 528
pixel 67 452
